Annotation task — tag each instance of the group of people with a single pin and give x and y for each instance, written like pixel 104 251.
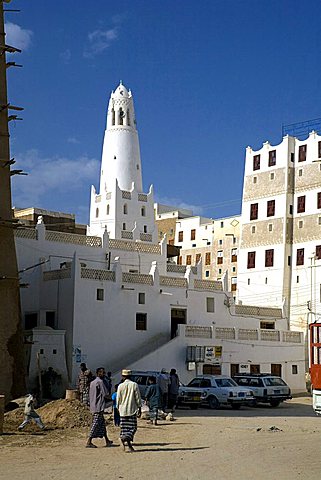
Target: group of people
pixel 161 393
pixel 95 390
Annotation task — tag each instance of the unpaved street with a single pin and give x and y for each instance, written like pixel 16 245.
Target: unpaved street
pixel 205 444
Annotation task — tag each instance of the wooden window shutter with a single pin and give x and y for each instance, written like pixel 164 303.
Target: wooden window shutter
pixel 302 153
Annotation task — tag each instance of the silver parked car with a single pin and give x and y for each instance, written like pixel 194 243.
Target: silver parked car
pixel 221 390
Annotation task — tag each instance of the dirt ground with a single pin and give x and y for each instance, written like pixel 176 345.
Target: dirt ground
pixel 253 443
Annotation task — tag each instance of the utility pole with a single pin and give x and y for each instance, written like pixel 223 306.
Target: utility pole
pixel 12 372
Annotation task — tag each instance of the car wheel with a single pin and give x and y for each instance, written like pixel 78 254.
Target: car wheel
pixel 213 403
pixel 236 406
pixel 275 403
pixel 193 407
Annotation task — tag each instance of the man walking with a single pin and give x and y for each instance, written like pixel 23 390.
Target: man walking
pixel 129 405
pixel 97 398
pixel 173 389
pixel 163 382
pixel 84 378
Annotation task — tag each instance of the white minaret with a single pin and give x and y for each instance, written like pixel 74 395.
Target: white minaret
pixel 121 155
pixel 121 207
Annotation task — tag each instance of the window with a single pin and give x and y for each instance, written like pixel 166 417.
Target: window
pixel 267 325
pixel 145 228
pixel 108 208
pixel 208 258
pixel 302 153
pixel 180 236
pixel 301 204
pixel 124 226
pixel 253 229
pixel 41 351
pixel 248 281
pixel 220 242
pixel 222 224
pixel 233 269
pixel 141 321
pixel 251 260
pixel 143 211
pixel 254 211
pixel 210 304
pixel 220 271
pixel 272 176
pixel 125 209
pixel 193 244
pixel 297 279
pixel 319 220
pixel 254 179
pixel 141 298
pixel 188 259
pixel 113 117
pixel 272 158
pixel 31 320
pixel 233 284
pixel 291 209
pixel 180 260
pixel 207 273
pixel 100 294
pixel 270 227
pixel 319 149
pixel 269 257
pixel 300 223
pixel 295 367
pixel 318 252
pixel 97 212
pixel 198 257
pixel 289 260
pixel 51 319
pixel 319 200
pixel 256 162
pixel 270 211
pixel 220 257
pixel 300 256
pixel 193 234
pixel 121 117
pixel 234 255
pixel 54 351
pixel 300 172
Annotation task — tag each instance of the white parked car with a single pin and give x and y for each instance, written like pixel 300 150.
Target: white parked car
pixel 266 388
pixel 221 390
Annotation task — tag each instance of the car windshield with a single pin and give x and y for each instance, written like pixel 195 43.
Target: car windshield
pixel 274 382
pixel 225 382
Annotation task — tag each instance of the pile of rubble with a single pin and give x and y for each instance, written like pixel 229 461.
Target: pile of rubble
pixel 56 414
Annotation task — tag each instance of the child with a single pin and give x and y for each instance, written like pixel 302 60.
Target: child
pixel 31 414
pixel 115 409
pixel 153 397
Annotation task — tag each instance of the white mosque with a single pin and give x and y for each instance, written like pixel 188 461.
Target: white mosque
pixel 113 298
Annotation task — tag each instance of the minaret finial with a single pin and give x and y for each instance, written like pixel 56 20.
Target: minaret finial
pixel 120 82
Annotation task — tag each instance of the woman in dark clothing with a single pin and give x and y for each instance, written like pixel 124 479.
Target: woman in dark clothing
pixel 153 397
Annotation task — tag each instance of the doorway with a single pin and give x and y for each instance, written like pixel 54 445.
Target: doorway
pixel 178 317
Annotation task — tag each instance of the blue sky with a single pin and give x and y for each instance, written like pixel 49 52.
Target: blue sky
pixel 209 77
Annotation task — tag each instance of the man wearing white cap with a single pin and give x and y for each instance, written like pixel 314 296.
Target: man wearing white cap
pixel 129 405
